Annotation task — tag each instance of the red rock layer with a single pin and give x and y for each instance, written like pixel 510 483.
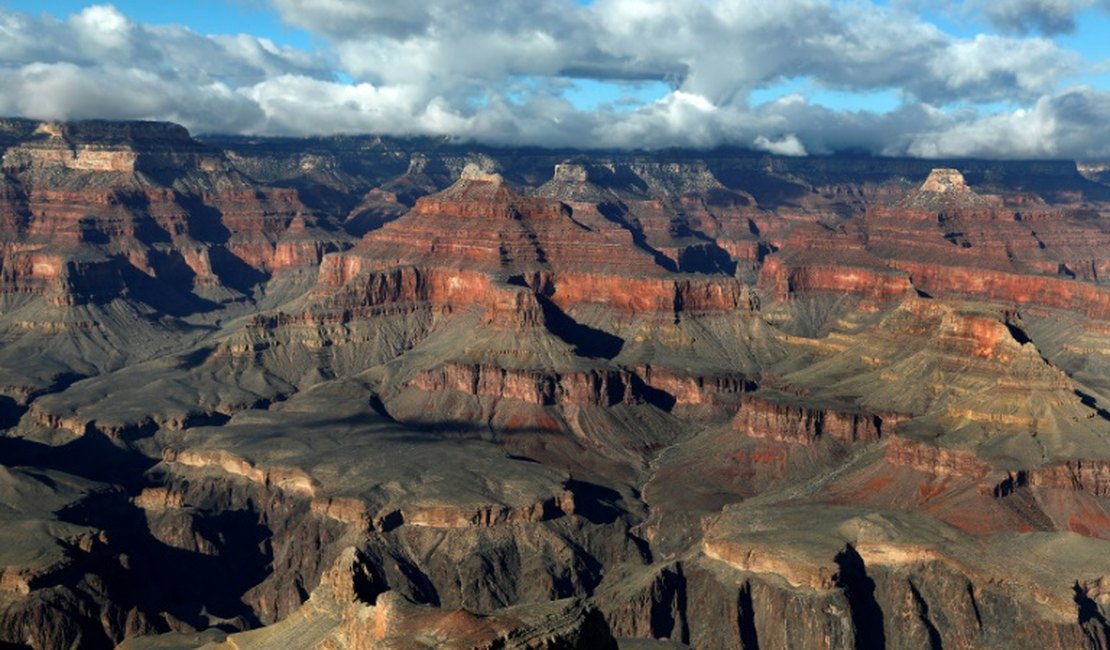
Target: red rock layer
pixel 652 295
pixel 762 418
pixel 931 459
pixel 1092 476
pixel 568 253
pixel 947 240
pixel 60 278
pixel 697 390
pixel 879 284
pixel 601 387
pixel 144 196
pixel 1087 299
pixel 485 224
pixel 345 285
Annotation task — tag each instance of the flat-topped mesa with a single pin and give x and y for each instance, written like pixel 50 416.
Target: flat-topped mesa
pixel 675 178
pixel 55 151
pixel 128 132
pixel 133 188
pixel 946 188
pixel 945 181
pixel 475 172
pixel 571 173
pixel 97 146
pixel 511 398
pixel 574 184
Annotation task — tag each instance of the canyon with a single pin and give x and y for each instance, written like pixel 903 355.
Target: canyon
pixel 367 392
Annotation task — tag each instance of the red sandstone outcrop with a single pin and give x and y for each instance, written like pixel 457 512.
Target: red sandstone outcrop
pixel 1091 476
pixel 537 387
pixel 1091 300
pixel 696 389
pixel 640 295
pixel 874 283
pixel 481 225
pixel 931 459
pixel 760 417
pixel 345 285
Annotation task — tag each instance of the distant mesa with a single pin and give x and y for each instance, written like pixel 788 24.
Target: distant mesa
pixel 571 173
pixel 945 180
pixel 51 129
pixel 104 132
pixel 475 172
pixel 947 188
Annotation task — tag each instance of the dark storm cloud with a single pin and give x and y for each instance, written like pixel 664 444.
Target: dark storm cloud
pixel 1033 16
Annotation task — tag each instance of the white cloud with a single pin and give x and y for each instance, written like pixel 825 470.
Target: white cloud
pixel 103 28
pixel 463 69
pixel 1074 124
pixel 99 36
pixel 720 50
pixel 787 145
pixel 993 68
pixel 61 91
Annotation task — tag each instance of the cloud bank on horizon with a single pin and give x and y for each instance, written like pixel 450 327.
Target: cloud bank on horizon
pixel 499 73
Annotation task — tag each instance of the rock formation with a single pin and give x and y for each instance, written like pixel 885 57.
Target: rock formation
pixel 363 392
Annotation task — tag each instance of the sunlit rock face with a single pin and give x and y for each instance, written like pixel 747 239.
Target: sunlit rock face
pixel 362 392
pixel 946 181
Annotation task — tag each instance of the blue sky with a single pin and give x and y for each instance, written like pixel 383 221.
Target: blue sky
pixel 919 77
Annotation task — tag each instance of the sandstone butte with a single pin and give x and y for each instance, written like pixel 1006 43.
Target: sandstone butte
pixel 362 392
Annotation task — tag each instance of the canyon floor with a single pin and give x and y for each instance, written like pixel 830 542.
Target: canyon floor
pixel 361 392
